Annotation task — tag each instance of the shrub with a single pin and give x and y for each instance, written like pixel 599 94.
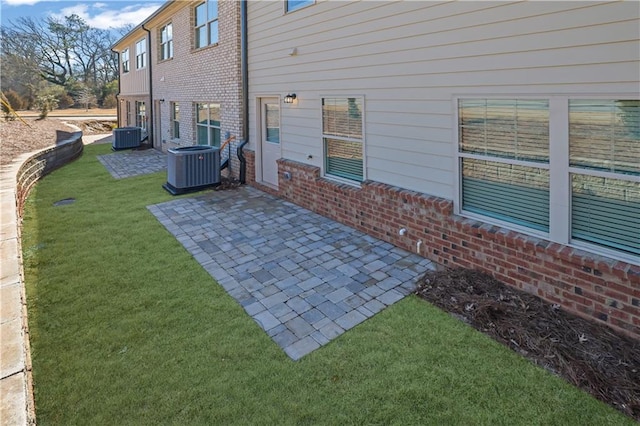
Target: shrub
pixel 14 99
pixel 110 101
pixel 45 104
pixel 65 101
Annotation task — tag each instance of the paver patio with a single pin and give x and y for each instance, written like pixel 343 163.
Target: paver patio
pixel 124 164
pixel 304 279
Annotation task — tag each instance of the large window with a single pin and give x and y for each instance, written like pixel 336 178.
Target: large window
pixel 206 18
pixel 566 168
pixel 141 115
pixel 125 60
pixel 208 124
pixel 504 147
pixel 175 120
pixel 604 158
pixel 141 54
pixel 166 42
pixel 343 137
pixel 292 5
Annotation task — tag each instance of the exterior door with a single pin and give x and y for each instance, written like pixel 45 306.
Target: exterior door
pixel 270 139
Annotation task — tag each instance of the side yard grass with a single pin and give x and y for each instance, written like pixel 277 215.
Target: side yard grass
pixel 127 328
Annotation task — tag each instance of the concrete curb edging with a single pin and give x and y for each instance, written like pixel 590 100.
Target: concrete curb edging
pixel 17 405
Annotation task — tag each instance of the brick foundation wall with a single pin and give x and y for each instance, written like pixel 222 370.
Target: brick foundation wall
pixel 588 285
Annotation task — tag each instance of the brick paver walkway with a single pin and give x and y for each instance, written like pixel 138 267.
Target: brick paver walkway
pixel 304 279
pixel 124 164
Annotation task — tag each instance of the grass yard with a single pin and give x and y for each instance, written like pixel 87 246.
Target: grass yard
pixel 127 328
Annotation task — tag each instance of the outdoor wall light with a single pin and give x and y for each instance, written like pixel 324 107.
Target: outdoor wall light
pixel 290 98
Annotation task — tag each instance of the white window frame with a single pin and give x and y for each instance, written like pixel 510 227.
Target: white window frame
pixel 141 115
pixel 323 135
pixel 559 173
pixel 126 64
pixel 206 25
pixel 208 125
pixel 299 6
pixel 166 46
pixel 175 120
pixel 141 54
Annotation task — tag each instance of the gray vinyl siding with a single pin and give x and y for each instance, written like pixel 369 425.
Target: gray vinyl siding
pixel 410 59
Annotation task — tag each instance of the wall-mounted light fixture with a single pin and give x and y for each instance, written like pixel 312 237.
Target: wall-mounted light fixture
pixel 161 100
pixel 290 98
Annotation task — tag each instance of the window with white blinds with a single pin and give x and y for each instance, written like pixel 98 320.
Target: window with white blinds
pixel 504 156
pixel 342 131
pixel 604 155
pixel 511 165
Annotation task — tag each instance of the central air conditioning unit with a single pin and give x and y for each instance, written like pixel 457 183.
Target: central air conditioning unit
pixel 126 138
pixel 192 168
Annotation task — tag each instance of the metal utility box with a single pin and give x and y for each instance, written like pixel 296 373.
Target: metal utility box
pixel 192 168
pixel 126 138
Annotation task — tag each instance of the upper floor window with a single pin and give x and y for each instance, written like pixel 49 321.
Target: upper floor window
pixel 125 60
pixel 206 23
pixel 343 137
pixel 166 42
pixel 141 54
pixel 292 5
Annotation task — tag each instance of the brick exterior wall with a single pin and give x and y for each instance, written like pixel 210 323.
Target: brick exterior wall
pixel 207 75
pixel 585 284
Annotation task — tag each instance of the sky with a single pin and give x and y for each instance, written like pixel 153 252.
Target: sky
pixel 105 14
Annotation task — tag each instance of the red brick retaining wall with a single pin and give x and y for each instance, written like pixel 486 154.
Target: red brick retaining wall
pixel 589 285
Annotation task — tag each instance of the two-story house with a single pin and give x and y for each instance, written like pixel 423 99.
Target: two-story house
pixel 134 95
pixel 503 136
pixel 192 75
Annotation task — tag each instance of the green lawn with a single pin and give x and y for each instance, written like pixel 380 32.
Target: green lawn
pixel 127 328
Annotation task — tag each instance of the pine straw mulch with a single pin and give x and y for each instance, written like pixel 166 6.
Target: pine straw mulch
pixel 588 355
pixel 227 183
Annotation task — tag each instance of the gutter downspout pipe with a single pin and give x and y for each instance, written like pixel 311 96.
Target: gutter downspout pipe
pixel 150 116
pixel 119 90
pixel 244 70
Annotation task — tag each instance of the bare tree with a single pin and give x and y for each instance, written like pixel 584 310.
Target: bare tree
pixel 64 52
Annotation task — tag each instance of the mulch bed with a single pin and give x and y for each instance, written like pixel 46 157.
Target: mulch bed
pixel 586 354
pixel 227 183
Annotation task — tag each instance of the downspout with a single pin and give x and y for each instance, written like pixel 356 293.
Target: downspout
pixel 244 70
pixel 150 116
pixel 118 123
